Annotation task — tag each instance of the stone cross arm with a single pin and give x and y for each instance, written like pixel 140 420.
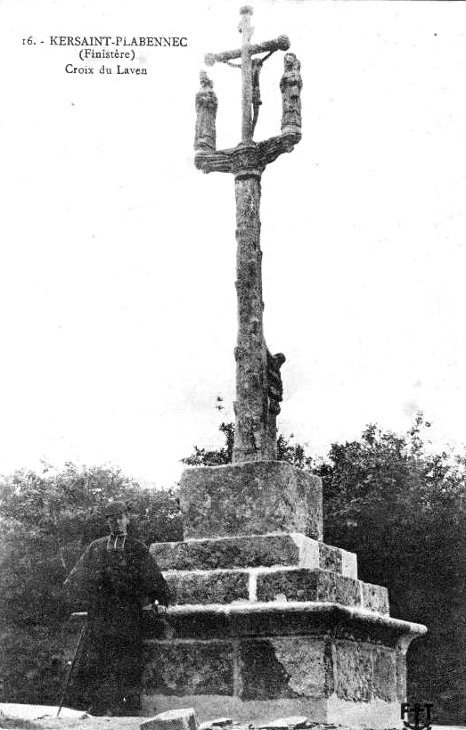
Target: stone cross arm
pixel 282 43
pixel 247 157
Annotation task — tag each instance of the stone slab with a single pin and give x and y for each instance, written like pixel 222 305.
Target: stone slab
pixel 183 718
pixel 375 598
pixel 270 668
pixel 353 671
pixel 330 558
pixel 284 667
pixel 301 584
pixel 283 723
pixel 189 667
pixel 209 587
pixel 252 498
pixel 230 552
pixel 290 618
pixel 274 584
pixel 254 551
pixel 349 564
pixel 384 674
pixel 217 721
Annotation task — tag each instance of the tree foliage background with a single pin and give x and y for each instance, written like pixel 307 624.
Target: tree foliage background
pixel 389 498
pixel 402 509
pixel 46 520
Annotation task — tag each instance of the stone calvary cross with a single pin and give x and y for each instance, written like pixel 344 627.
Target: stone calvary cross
pixel 268 620
pixel 258 381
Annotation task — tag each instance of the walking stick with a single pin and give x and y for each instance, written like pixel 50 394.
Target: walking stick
pixel 71 666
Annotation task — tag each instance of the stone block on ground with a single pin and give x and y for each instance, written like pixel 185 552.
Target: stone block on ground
pixel 181 719
pixel 295 721
pixel 218 722
pixel 251 498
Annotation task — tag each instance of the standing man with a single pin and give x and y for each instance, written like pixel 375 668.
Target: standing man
pixel 113 580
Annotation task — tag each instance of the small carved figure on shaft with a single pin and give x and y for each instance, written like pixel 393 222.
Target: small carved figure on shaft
pixel 274 398
pixel 274 381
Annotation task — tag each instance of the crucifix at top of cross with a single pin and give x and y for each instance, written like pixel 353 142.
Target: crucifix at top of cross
pixel 251 65
pixel 258 380
pixel 250 68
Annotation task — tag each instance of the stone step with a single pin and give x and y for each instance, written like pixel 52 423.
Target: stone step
pixel 254 551
pixel 200 587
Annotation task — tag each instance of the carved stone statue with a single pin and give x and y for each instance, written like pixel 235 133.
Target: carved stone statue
pixel 274 381
pixel 290 86
pixel 256 92
pixel 274 398
pixel 206 110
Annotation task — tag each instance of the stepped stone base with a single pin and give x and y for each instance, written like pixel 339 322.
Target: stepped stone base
pixel 265 568
pixel 269 621
pixel 272 584
pixel 335 664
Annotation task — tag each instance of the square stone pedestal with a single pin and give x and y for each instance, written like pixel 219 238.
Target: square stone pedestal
pixel 253 498
pixel 268 620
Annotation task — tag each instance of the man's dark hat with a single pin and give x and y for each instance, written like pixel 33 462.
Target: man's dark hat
pixel 114 508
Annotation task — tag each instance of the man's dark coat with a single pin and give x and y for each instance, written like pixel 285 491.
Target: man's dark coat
pixel 113 579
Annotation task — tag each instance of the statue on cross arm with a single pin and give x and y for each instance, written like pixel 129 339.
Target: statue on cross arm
pixel 290 86
pixel 206 111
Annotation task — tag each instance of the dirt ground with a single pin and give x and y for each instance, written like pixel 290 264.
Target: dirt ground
pixel 67 723
pixel 42 717
pixel 32 719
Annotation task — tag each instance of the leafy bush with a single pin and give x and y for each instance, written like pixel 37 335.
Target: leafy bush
pixel 45 522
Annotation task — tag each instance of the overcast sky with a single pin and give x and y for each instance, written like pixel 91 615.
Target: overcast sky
pixel 117 256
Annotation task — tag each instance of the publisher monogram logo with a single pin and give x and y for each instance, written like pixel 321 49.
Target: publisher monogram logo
pixel 416 716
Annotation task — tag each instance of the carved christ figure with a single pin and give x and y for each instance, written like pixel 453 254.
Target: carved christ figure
pixel 206 112
pixel 274 398
pixel 274 381
pixel 290 86
pixel 256 92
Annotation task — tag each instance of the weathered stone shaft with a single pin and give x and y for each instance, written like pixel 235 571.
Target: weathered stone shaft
pixel 250 353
